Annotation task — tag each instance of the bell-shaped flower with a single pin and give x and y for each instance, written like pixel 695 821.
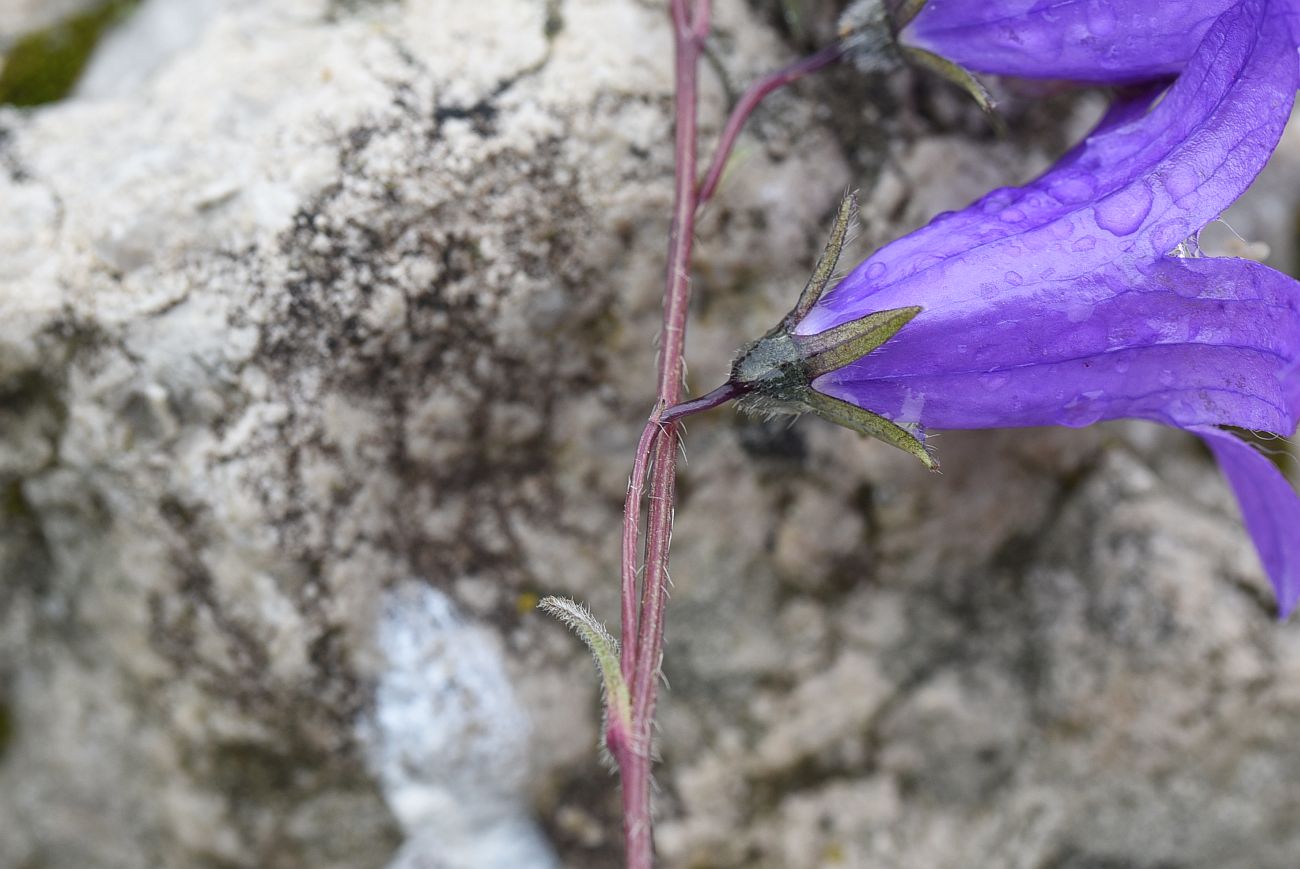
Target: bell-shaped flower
pixel 1100 41
pixel 1081 296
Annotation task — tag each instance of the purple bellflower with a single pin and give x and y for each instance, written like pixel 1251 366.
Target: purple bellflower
pixel 1100 41
pixel 1082 296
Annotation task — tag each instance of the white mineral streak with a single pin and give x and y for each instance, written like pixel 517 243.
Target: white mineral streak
pixel 135 50
pixel 449 741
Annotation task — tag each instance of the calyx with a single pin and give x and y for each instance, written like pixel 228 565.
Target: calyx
pixel 774 374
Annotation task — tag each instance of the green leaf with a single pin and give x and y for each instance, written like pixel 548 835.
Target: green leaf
pixel 604 648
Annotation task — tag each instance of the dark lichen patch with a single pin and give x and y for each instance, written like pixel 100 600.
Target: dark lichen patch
pixel 6 729
pixel 9 162
pixel 42 67
pixel 579 815
pixel 451 341
pixel 31 392
pixel 13 504
pixel 262 780
pixel 25 555
pixel 376 297
pixel 553 22
pixel 481 115
pixel 342 8
pixel 1076 858
pixel 314 753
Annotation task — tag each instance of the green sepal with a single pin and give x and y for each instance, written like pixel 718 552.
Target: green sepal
pixel 774 374
pixel 829 259
pixel 908 10
pixel 848 342
pixel 865 422
pixel 959 76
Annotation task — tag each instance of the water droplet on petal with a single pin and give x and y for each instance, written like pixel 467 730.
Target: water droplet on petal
pixel 1101 19
pixel 1123 212
pixel 1081 410
pixel 1073 187
pixel 1085 243
pixel 875 270
pixel 997 200
pixel 1122 363
pixel 1181 179
pixel 1012 215
pixel 993 381
pixel 1078 311
pixel 1167 236
pixel 1063 228
pixel 1014 278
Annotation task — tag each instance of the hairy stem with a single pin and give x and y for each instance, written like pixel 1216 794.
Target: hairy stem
pixel 690 29
pixel 718 397
pixel 643 603
pixel 631 536
pixel 750 100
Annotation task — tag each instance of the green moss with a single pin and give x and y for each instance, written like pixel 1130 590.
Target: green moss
pixel 13 504
pixel 42 66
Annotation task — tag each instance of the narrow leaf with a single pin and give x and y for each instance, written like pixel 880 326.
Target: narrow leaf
pixel 604 648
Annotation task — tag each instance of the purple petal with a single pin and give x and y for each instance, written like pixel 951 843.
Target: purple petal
pixel 1112 41
pixel 1269 507
pixel 1132 191
pixel 1183 342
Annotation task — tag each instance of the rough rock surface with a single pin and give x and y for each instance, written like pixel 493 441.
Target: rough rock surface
pixel 322 355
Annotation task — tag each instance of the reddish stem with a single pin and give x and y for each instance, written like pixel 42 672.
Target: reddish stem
pixel 632 508
pixel 645 627
pixel 750 100
pixel 718 397
pixel 643 613
pixel 631 536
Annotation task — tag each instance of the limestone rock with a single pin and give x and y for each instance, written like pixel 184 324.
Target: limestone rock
pixel 323 351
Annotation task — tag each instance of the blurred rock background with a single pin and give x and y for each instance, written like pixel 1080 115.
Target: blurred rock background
pixel 326 333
